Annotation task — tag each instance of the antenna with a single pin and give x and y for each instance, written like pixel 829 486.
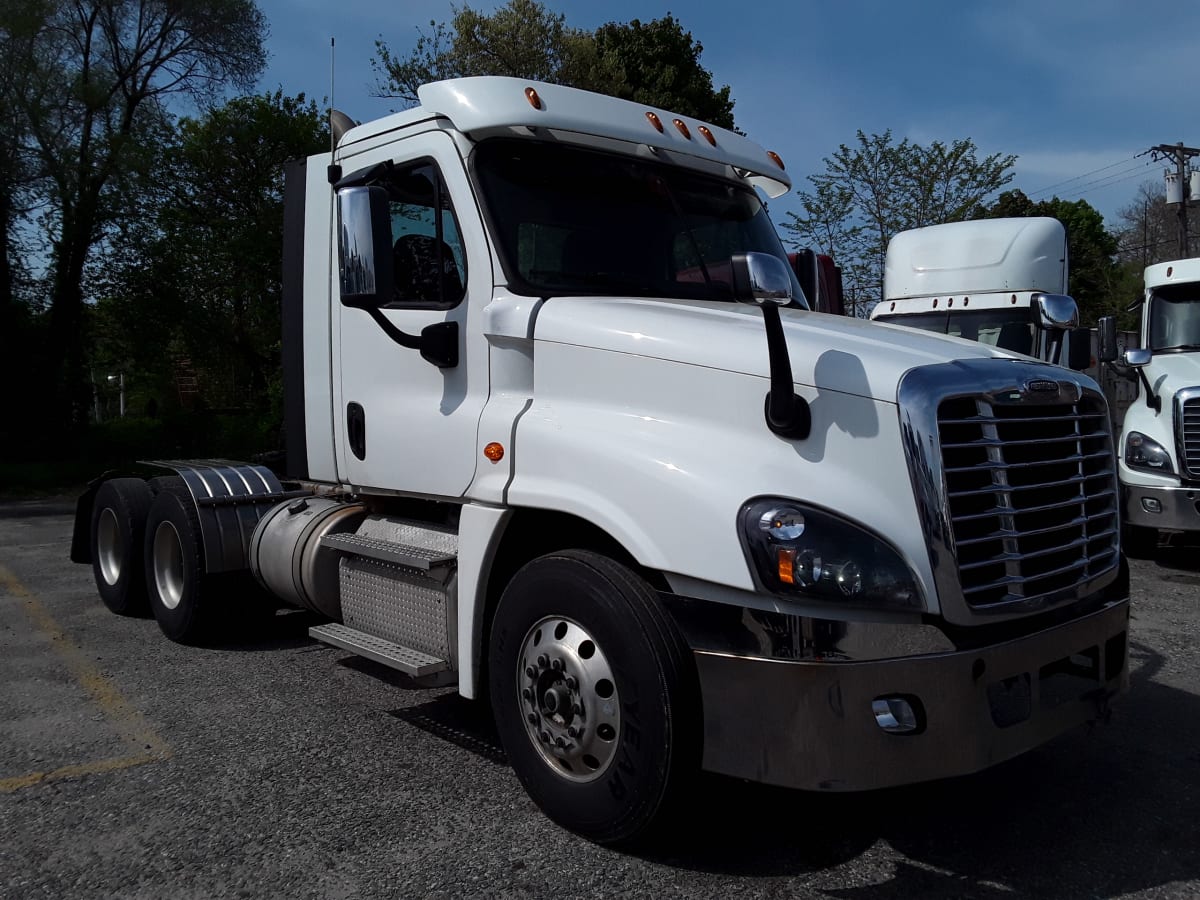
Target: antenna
pixel 332 57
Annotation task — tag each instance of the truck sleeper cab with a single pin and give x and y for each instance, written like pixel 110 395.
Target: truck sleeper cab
pixel 562 432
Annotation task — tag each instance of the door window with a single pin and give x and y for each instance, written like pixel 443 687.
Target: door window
pixel 430 263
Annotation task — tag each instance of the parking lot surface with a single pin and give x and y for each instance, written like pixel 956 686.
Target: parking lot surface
pixel 273 766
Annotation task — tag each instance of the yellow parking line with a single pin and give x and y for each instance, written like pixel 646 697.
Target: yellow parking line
pixel 134 730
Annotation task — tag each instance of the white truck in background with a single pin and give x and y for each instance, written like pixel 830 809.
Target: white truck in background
pixel 1159 445
pixel 561 432
pixel 1003 282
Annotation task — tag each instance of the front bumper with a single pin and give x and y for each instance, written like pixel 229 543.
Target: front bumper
pixel 809 724
pixel 1180 507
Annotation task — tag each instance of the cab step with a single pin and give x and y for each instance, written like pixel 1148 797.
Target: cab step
pixel 424 559
pixel 404 659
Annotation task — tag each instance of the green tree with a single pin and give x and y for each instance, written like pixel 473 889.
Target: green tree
pixel 201 277
pixel 656 63
pixel 1096 280
pixel 876 188
pixel 98 74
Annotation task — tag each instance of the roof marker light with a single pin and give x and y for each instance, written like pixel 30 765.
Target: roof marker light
pixel 655 121
pixel 775 158
pixel 708 135
pixel 532 96
pixel 683 129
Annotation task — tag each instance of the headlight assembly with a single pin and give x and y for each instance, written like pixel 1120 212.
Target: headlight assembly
pixel 1146 454
pixel 796 550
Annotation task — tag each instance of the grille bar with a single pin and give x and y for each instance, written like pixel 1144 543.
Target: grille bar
pixel 1079 479
pixel 1077 457
pixel 1071 570
pixel 985 420
pixel 1012 532
pixel 1049 507
pixel 1189 431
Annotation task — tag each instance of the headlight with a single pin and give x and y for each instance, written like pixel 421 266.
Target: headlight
pixel 1149 455
pixel 795 550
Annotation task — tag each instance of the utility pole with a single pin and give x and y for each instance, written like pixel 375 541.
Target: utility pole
pixel 1180 154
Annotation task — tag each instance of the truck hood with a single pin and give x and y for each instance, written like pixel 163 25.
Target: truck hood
pixel 832 353
pixel 1168 372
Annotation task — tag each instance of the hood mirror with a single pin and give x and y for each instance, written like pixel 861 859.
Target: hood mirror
pixel 761 279
pixel 1055 311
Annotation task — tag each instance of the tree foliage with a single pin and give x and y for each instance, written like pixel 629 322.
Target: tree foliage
pixel 878 187
pixel 96 77
pixel 201 279
pixel 656 62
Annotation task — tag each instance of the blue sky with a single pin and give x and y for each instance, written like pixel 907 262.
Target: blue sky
pixel 1075 88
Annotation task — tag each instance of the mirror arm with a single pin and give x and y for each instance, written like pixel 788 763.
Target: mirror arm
pixel 1152 399
pixel 438 342
pixel 787 414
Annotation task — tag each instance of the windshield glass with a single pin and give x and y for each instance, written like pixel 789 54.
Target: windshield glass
pixel 576 221
pixel 1175 317
pixel 1007 329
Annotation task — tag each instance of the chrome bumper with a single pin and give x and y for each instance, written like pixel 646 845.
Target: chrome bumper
pixel 809 724
pixel 1180 507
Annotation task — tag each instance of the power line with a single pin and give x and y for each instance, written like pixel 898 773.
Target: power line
pixel 1051 187
pixel 1105 182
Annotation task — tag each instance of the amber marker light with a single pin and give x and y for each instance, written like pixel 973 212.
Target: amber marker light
pixel 787 565
pixel 532 96
pixel 655 121
pixel 708 135
pixel 683 129
pixel 775 158
pixel 494 451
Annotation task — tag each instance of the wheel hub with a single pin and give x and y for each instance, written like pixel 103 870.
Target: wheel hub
pixel 568 698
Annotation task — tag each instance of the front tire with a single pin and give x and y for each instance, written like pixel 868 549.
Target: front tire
pixel 174 563
pixel 594 694
pixel 117 535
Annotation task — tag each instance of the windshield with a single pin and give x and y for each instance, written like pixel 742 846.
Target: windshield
pixel 575 221
pixel 1007 329
pixel 1175 317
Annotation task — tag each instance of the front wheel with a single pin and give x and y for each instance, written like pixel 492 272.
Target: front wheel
pixel 594 695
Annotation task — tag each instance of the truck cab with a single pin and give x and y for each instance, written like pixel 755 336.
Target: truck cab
pixel 564 432
pixel 1002 282
pixel 1159 442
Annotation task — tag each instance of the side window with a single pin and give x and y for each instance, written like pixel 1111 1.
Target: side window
pixel 429 259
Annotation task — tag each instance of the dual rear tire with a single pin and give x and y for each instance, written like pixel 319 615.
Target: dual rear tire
pixel 148 556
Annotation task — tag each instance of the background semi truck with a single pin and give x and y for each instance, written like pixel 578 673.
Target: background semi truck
pixel 1000 281
pixel 562 432
pixel 1160 435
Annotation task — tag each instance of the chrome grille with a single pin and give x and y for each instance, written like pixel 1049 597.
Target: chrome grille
pixel 1189 431
pixel 1031 500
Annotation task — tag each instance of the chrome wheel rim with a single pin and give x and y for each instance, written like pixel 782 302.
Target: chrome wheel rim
pixel 168 565
pixel 568 699
pixel 110 547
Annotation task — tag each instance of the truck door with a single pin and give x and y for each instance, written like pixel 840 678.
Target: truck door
pixel 402 423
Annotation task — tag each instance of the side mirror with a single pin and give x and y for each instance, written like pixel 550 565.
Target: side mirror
pixel 1079 349
pixel 1106 339
pixel 364 247
pixel 761 279
pixel 1055 311
pixel 1135 359
pixel 808 273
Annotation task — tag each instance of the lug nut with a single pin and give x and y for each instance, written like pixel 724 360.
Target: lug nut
pixel 543 661
pixel 530 672
pixel 532 717
pixel 572 683
pixel 556 665
pixel 573 731
pixel 559 742
pixel 545 737
pixel 527 694
pixel 577 709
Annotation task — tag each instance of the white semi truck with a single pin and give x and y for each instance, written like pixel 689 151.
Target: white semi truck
pixel 999 281
pixel 561 432
pixel 1160 435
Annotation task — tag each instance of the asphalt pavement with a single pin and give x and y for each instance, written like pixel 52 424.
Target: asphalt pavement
pixel 273 766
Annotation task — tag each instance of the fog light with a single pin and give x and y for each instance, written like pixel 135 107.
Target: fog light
pixel 897 715
pixel 1151 505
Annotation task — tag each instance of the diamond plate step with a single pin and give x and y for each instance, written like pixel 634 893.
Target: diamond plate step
pixel 409 661
pixel 423 558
